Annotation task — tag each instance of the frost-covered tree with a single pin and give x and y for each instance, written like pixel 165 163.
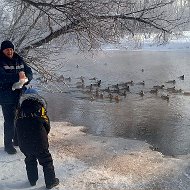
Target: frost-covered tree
pixel 87 24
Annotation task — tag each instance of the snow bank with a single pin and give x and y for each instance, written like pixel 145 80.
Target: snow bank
pixel 86 162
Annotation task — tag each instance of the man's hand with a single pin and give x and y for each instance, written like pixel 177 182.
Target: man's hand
pixel 22 75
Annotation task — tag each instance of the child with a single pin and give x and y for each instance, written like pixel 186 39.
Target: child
pixel 33 126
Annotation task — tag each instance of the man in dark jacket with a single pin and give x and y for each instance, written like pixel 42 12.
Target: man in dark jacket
pixel 33 126
pixel 12 69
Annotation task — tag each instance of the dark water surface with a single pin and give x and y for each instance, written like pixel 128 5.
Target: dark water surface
pixel 164 124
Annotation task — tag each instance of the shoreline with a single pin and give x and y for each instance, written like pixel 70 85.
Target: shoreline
pixel 132 161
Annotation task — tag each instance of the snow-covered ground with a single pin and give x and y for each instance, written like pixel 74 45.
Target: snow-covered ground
pixel 86 162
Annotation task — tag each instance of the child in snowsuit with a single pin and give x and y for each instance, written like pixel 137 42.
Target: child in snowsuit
pixel 33 126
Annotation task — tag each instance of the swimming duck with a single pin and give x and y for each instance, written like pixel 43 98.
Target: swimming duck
pixel 158 87
pixel 97 92
pixel 171 81
pixel 110 96
pixel 68 79
pixel 123 93
pixel 127 88
pixel 165 97
pixel 98 83
pixel 129 82
pixel 141 93
pixel 154 91
pixel 177 90
pixel 117 99
pixel 141 83
pixel 60 78
pixel 186 93
pixel 171 89
pixel 101 95
pixel 107 89
pixel 94 78
pixel 182 77
pixel 90 87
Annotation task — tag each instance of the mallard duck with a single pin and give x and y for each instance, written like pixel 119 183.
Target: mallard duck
pixel 68 79
pixel 124 93
pixel 186 93
pixel 117 98
pixel 171 81
pixel 107 89
pixel 159 87
pixel 182 77
pixel 141 93
pixel 154 91
pixel 165 97
pixel 61 78
pixel 177 90
pixel 89 87
pixel 94 78
pixel 110 96
pixel 101 95
pixel 141 83
pixel 98 83
pixel 171 89
pixel 129 82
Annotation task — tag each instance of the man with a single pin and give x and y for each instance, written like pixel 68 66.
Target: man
pixel 12 70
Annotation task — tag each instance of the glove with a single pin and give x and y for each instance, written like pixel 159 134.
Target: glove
pixel 19 84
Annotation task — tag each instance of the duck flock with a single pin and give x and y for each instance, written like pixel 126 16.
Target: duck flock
pixel 95 90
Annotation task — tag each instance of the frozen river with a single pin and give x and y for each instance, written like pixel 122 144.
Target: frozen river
pixel 164 124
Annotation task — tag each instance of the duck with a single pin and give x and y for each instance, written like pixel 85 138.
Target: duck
pixel 124 93
pixel 92 98
pixel 60 78
pixel 141 83
pixel 154 91
pixel 115 86
pixel 124 86
pixel 68 79
pixel 159 87
pixel 171 89
pixel 117 99
pixel 107 89
pixel 186 93
pixel 177 90
pixel 127 88
pixel 94 78
pixel 171 81
pixel 182 77
pixel 129 82
pixel 98 83
pixel 80 85
pixel 90 87
pixel 101 95
pixel 141 93
pixel 97 93
pixel 165 97
pixel 110 96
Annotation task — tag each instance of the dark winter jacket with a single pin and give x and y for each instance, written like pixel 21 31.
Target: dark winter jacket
pixel 9 69
pixel 32 134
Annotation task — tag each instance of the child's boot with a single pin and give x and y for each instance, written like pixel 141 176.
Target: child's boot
pixel 53 184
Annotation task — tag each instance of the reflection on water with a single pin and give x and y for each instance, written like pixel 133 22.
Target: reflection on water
pixel 164 124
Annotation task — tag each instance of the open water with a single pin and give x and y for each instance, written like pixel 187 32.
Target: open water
pixel 164 124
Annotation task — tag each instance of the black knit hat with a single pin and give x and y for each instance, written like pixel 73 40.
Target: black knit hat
pixel 6 44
